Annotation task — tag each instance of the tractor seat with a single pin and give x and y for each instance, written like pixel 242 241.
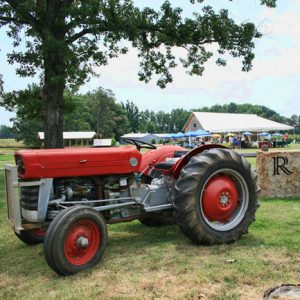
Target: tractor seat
pixel 168 164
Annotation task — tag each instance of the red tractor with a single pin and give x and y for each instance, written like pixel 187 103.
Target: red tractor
pixel 66 197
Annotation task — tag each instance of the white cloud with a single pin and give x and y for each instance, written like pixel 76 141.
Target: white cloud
pixel 277 56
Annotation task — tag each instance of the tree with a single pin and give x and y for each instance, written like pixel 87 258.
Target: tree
pixel 27 105
pixel 108 116
pixel 77 115
pixel 65 39
pixel 163 121
pixel 6 132
pixel 133 115
pixel 178 118
pixel 121 122
pixel 147 121
pixel 295 121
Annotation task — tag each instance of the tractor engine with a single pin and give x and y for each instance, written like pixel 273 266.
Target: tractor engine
pixel 75 189
pixel 91 191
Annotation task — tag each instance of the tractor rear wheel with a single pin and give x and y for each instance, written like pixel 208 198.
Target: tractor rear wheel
pixel 76 240
pixel 216 197
pixel 32 236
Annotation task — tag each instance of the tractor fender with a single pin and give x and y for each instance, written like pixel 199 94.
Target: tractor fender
pixel 185 159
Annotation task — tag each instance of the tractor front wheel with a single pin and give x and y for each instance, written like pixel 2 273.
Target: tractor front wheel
pixel 76 240
pixel 216 197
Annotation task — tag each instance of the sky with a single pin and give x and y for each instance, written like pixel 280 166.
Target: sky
pixel 274 80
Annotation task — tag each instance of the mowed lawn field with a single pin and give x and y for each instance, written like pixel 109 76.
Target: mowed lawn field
pixel 160 263
pixel 10 143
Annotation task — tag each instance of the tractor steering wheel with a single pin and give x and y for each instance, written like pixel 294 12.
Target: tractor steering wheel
pixel 138 144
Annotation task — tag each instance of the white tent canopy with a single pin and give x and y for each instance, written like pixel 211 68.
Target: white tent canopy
pixel 143 137
pixel 230 122
pixel 135 135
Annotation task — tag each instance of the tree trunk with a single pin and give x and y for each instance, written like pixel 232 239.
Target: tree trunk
pixel 53 115
pixel 53 101
pixel 54 48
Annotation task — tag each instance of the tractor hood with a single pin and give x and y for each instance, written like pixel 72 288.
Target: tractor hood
pixel 69 162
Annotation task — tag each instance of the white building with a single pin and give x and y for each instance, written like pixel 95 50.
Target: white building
pixel 74 138
pixel 230 122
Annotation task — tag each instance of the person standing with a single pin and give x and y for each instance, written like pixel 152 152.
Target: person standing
pixel 286 138
pixel 243 141
pixel 230 140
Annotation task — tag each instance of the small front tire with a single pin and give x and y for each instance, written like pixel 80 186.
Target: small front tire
pixel 76 240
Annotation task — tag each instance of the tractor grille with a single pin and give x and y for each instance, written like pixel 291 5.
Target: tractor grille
pixel 29 197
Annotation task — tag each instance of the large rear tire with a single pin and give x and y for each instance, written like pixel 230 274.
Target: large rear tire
pixel 76 240
pixel 216 197
pixel 32 236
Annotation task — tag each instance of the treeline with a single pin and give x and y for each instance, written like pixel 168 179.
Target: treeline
pixel 7 132
pixel 96 111
pixel 99 111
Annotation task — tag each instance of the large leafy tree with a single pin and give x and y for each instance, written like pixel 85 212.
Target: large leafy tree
pixel 66 38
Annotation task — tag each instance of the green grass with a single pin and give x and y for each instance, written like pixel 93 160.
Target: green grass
pixel 10 143
pixel 161 263
pixel 6 159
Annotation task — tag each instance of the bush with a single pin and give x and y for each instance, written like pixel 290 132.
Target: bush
pixel 295 137
pixel 113 141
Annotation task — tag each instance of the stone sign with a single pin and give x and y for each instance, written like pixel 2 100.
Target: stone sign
pixel 278 173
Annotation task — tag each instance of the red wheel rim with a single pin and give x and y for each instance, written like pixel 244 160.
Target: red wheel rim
pixel 39 232
pixel 220 198
pixel 82 242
